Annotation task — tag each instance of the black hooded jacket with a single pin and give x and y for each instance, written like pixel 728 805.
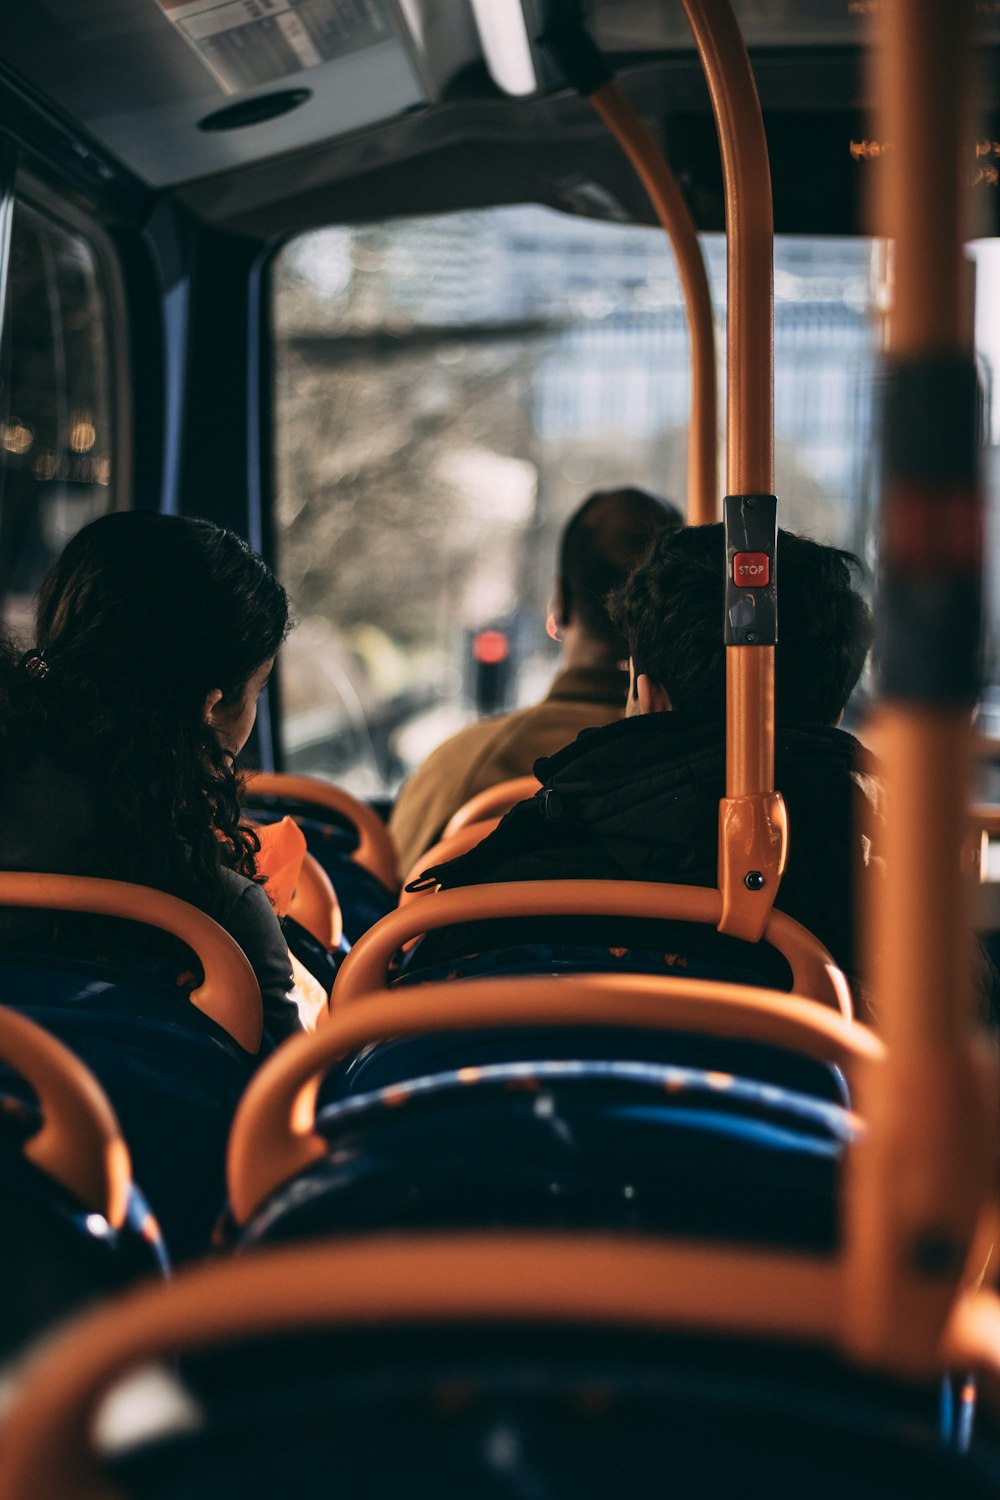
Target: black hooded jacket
pixel 639 800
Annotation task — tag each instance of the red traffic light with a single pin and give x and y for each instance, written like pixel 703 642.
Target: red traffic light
pixel 491 647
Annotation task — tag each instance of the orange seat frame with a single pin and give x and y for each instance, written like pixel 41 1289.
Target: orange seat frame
pixel 315 906
pixel 229 993
pixel 619 1282
pixel 376 851
pixel 80 1143
pixel 274 1136
pixel 492 802
pixel 365 969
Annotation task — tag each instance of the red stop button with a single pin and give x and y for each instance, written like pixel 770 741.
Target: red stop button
pixel 751 570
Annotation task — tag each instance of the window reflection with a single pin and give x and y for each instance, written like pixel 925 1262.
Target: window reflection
pixel 55 414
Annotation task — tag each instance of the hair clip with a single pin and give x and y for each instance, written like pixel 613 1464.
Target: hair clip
pixel 33 663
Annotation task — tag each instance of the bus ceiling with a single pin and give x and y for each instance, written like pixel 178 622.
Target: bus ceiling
pixel 251 120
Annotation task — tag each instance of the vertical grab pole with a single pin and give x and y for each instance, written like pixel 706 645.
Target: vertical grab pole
pixel 584 65
pixel 753 833
pixel 920 1186
pixel 673 213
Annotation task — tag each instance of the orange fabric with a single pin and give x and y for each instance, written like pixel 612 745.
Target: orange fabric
pixel 376 851
pixel 282 850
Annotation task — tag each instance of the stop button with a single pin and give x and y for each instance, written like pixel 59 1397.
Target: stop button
pixel 751 570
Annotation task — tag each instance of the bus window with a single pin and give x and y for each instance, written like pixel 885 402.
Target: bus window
pixel 449 389
pixel 55 403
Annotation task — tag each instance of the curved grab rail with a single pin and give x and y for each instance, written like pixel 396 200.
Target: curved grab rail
pixel 229 993
pixel 585 66
pixel 750 233
pixel 274 1137
pixel 814 974
pixel 380 1281
pixel 642 150
pixel 314 904
pixel 492 801
pixel 80 1143
pixel 375 852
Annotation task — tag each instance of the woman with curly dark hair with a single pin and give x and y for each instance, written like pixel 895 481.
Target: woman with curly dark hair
pixel 119 729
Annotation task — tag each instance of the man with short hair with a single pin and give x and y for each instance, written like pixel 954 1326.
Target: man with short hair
pixel 639 799
pixel 602 540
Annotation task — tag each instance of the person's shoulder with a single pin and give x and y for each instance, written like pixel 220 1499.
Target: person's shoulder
pixel 41 774
pixel 448 773
pixel 245 902
pixel 249 918
pixel 829 743
pixel 659 740
pixel 474 737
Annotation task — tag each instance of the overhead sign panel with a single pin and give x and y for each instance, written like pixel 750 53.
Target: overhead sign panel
pixel 246 43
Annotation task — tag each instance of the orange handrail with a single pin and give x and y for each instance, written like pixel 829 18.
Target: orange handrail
pixel 753 834
pixel 229 993
pixel 80 1143
pixel 375 852
pixel 642 150
pixel 599 1281
pixel 814 974
pixel 492 801
pixel 586 68
pixel 921 1189
pixel 274 1138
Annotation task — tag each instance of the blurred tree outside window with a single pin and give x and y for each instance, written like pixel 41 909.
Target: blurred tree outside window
pixel 449 389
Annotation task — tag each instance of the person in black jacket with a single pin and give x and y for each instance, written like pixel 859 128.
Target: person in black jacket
pixel 639 799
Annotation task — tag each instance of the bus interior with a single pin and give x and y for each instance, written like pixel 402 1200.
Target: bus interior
pixel 386 287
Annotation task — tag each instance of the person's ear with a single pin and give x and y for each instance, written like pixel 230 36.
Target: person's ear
pixel 212 701
pixel 652 698
pixel 631 701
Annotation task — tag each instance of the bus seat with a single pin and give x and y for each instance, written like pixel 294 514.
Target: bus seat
pixel 73 1225
pixel 314 904
pixel 554 1136
pixel 484 1366
pixel 302 894
pixel 346 836
pixel 573 1144
pixel 493 802
pixel 401 1059
pixel 173 1061
pixel 814 975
